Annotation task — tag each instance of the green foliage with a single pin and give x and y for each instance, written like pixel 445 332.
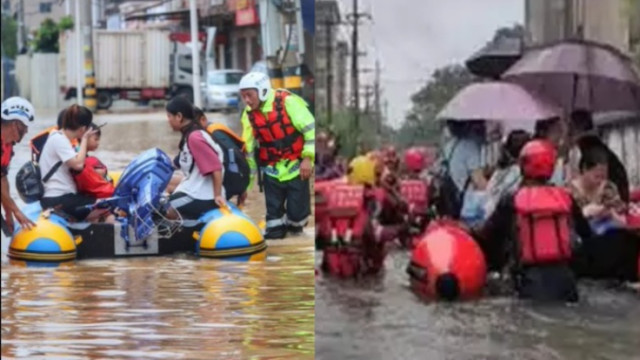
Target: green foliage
pixel 66 23
pixel 420 126
pixel 46 39
pixel 516 31
pixel 9 39
pixel 344 127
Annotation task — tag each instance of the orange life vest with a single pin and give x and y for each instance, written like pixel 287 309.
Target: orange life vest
pixel 275 132
pixel 38 141
pixel 543 222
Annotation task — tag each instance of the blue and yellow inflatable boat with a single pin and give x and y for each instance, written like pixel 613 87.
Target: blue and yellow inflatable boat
pixel 220 233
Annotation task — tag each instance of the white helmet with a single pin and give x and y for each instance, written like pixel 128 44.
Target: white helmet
pixel 17 108
pixel 258 81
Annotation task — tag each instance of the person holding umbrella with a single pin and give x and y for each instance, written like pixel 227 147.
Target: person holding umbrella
pixel 465 114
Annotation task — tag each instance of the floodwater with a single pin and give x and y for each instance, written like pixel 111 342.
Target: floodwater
pixel 176 307
pixel 381 319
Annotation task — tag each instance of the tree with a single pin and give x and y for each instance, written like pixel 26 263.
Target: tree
pixel 516 31
pixel 420 125
pixel 47 36
pixel 9 39
pixel 46 39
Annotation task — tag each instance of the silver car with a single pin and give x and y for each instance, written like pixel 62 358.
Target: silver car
pixel 220 91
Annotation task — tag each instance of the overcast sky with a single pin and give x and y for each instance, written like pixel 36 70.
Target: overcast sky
pixel 412 38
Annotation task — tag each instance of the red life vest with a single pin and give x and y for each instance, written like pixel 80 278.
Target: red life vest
pixel 7 154
pixel 543 222
pixel 90 182
pixel 277 136
pixel 416 193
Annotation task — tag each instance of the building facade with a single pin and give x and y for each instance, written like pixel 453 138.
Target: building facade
pixel 607 22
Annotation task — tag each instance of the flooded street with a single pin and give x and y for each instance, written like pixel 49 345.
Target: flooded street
pixel 381 319
pixel 177 307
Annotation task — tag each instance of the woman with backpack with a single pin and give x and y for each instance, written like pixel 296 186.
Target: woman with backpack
pixel 460 169
pixel 57 161
pixel 201 161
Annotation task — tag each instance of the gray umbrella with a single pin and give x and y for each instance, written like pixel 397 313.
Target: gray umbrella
pixel 580 74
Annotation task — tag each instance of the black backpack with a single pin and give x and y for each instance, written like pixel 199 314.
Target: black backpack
pixel 237 173
pixel 29 182
pixel 447 198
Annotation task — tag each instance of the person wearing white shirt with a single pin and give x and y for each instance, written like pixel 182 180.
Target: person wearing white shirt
pixel 59 159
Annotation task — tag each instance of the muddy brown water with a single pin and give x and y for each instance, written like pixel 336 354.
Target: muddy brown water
pixel 173 307
pixel 379 318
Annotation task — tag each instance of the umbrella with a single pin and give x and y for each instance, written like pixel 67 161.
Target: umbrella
pixel 499 101
pixel 496 57
pixel 579 74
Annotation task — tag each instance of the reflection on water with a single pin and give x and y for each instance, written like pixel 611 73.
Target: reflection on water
pixel 175 307
pixel 381 319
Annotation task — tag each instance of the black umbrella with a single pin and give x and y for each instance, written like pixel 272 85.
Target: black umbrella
pixel 496 57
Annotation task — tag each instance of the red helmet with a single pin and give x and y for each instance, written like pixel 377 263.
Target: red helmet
pixel 414 159
pixel 538 159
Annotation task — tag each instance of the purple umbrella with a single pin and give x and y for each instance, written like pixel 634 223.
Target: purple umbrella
pixel 499 101
pixel 579 74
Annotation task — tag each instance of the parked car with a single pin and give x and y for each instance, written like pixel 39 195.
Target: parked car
pixel 220 91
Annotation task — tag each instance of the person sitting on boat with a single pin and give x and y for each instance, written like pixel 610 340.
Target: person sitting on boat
pixel 200 160
pixel 59 159
pixel 177 177
pixel 613 253
pixel 531 230
pixel 37 142
pixel 17 114
pixel 506 178
pixel 93 180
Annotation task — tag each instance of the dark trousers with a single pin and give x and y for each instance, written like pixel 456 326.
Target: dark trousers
pixel 547 283
pixel 613 255
pixel 290 198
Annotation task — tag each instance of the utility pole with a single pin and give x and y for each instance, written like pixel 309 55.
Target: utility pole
pixel 329 51
pixel 79 55
pixel 368 93
pixel 355 86
pixel 67 7
pixel 329 24
pixel 20 33
pixel 90 92
pixel 195 53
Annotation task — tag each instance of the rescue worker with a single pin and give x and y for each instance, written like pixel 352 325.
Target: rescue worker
pixel 531 230
pixel 279 135
pixel 414 190
pixel 414 163
pixel 368 238
pixel 17 115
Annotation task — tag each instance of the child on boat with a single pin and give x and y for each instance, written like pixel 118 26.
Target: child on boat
pixel 93 180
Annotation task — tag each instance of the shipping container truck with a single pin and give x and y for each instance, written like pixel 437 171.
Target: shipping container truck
pixel 131 65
